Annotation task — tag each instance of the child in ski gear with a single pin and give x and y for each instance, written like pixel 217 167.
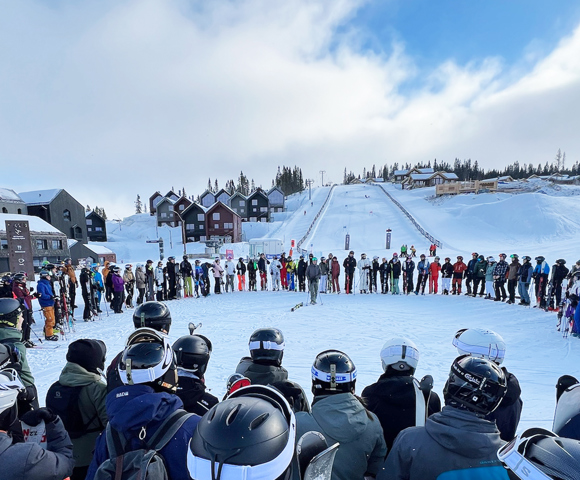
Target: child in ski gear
pixel 540 276
pixel 78 398
pixel 335 273
pixel 479 276
pixel 395 273
pixel 489 290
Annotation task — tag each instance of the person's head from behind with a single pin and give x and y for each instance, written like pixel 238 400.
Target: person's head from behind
pixel 192 353
pixel 153 315
pixel 475 384
pixel 267 346
pixel 89 354
pixel 539 454
pixel 250 435
pixel 480 343
pixel 333 372
pixel 148 359
pixel 399 354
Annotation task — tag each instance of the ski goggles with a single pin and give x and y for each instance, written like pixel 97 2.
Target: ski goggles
pixel 159 359
pixel 492 351
pixel 513 455
pixel 334 377
pixel 204 469
pixel 266 345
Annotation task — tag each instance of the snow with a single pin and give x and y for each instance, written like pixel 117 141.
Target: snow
pixel 36 225
pixel 531 223
pixel 7 194
pixel 99 249
pixel 39 197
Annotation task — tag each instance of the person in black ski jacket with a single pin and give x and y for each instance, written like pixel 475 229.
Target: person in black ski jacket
pixel 398 399
pixel 263 263
pixel 384 271
pixel 470 272
pixel 186 271
pixel 395 272
pixel 87 293
pixel 499 278
pixel 252 267
pixel 349 265
pixel 150 276
pixel 192 353
pixel 374 274
pixel 559 274
pixel 264 365
pixel 446 275
pixel 301 272
pixel 171 278
pixel 408 268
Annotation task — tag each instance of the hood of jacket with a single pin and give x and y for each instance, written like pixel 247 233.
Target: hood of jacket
pixel 73 375
pixel 514 390
pixel 341 415
pixel 463 432
pixel 131 407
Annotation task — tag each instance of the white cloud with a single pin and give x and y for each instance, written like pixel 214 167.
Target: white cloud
pixel 130 97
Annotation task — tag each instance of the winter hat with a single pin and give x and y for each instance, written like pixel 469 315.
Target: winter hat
pixel 89 354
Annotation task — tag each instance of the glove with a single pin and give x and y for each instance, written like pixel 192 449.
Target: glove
pixel 77 284
pixel 34 417
pixel 31 289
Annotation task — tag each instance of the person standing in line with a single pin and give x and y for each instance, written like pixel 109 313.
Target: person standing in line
pixel 313 276
pixel 140 283
pixel 395 273
pixel 446 275
pixel 499 277
pixel 349 265
pixel 323 275
pixel 241 271
pixel 218 273
pixel 186 270
pixel 434 269
pixel 150 275
pixel 513 270
pixel 459 269
pixel 129 279
pixel 230 271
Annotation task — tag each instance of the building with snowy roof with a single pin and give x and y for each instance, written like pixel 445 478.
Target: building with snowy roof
pixel 419 180
pixel 400 175
pixel 223 223
pixel 10 202
pixel 48 243
pixel 195 223
pixel 98 253
pixel 60 209
pixel 96 227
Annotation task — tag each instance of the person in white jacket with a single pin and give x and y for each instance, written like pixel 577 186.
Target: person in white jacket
pixel 159 281
pixel 218 273
pixel 230 272
pixel 365 267
pixel 275 267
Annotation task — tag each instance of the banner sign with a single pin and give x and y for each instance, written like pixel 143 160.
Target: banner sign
pixel 20 247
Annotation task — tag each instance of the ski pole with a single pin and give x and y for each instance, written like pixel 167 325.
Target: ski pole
pixel 36 335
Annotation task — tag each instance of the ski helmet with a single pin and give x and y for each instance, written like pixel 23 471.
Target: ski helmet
pixel 514 256
pixel 185 257
pixel 333 372
pixel 447 259
pixel 560 261
pixel 251 434
pixel 400 354
pixel 6 279
pixel 235 381
pixel 502 255
pixel 491 259
pixel 19 278
pixel 564 382
pixel 475 254
pixel 475 384
pixel 267 346
pixel 481 258
pixel 192 353
pixel 540 259
pixel 422 255
pixel 459 257
pixel 541 454
pixel 44 273
pixel 395 254
pixel 150 363
pixel 171 259
pixel 527 258
pixel 154 315
pixel 10 309
pixel 480 343
pixel 10 387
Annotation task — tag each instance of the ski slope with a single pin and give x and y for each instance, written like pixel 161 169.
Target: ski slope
pixel 364 212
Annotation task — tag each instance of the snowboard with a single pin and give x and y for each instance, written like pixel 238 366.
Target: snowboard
pixel 315 458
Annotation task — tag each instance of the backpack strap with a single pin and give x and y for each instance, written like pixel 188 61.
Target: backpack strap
pixel 168 429
pixel 115 443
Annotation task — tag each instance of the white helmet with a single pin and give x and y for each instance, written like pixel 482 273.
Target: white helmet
pixel 10 387
pixel 400 353
pixel 481 343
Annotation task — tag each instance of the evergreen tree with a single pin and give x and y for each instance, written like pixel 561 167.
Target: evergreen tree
pixel 216 186
pixel 88 209
pixel 209 187
pixel 138 205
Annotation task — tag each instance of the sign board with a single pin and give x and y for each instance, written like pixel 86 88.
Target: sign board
pixel 229 254
pixel 292 243
pixel 388 238
pixel 19 247
pixel 347 242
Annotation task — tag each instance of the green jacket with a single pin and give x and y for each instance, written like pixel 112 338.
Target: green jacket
pixel 9 335
pixel 91 405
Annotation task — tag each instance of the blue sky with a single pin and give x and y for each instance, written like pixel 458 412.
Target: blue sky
pixel 465 30
pixel 155 93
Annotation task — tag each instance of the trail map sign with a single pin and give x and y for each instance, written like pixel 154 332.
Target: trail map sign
pixel 19 247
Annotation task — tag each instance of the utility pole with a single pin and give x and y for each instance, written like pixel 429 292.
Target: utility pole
pixel 309 182
pixel 322 172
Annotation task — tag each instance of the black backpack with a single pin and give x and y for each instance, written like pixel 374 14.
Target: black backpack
pixel 64 401
pixel 144 463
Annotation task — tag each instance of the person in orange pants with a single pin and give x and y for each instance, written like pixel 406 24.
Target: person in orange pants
pixel 241 271
pixel 434 269
pixel 45 296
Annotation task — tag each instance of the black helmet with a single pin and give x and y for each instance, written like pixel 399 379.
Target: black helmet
pixel 475 384
pixel 527 258
pixel 539 453
pixel 560 261
pixel 150 363
pixel 185 257
pixel 19 278
pixel 154 315
pixel 267 346
pixel 10 308
pixel 333 372
pixel 249 435
pixel 170 259
pixel 6 279
pixel 192 353
pixel 540 259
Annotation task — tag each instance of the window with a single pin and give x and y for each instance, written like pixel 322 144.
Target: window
pixel 181 207
pixel 163 215
pixel 228 225
pixel 78 233
pixel 89 221
pixel 242 203
pixel 254 202
pixel 264 209
pixel 200 217
pixel 190 226
pixel 216 216
pixel 254 209
pixel 89 229
pixel 263 219
pixel 41 245
pixel 57 244
pixel 98 229
pixel 19 211
pixel 216 226
pixel 66 215
pixel 3 244
pixel 4 210
pixel 242 210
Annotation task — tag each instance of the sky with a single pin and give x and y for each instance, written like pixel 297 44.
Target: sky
pixel 110 99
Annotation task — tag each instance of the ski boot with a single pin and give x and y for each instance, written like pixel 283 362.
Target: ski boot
pixel 52 338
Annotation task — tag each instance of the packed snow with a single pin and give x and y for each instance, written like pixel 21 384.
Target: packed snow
pixel 527 224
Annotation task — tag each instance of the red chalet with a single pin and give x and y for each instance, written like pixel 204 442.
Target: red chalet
pixel 222 221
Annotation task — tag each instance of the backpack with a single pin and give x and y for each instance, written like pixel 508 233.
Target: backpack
pixel 142 464
pixel 64 401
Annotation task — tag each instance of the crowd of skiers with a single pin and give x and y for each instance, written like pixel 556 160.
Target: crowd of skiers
pixel 154 416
